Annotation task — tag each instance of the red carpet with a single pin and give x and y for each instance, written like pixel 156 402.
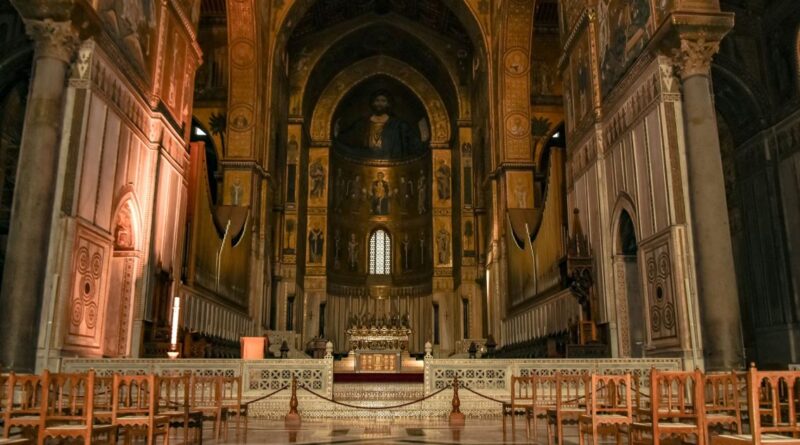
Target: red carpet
pixel 352 377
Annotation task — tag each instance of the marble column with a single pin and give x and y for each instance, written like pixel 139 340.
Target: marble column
pixel 32 212
pixel 713 252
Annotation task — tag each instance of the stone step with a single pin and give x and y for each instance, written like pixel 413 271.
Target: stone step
pixel 384 392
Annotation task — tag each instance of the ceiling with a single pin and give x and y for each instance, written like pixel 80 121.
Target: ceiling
pixel 375 40
pixel 430 13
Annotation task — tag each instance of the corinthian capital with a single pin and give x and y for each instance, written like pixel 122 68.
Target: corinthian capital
pixel 53 39
pixel 694 56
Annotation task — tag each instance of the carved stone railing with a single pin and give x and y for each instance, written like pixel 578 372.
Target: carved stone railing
pixel 263 376
pixel 493 377
pixel 259 377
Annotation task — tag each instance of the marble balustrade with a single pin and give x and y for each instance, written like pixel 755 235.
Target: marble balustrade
pixel 491 377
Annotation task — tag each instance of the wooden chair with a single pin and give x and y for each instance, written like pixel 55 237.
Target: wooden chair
pixel 103 398
pixel 231 401
pixel 4 381
pixel 206 398
pixel 677 408
pixel 174 402
pixel 609 407
pixel 773 399
pixel 23 407
pixel 68 411
pixel 134 408
pixel 723 404
pixel 570 404
pixel 522 399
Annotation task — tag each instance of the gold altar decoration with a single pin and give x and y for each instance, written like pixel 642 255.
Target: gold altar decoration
pixel 379 343
pixel 378 339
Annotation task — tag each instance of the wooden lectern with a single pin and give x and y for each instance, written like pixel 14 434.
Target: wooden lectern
pixel 253 347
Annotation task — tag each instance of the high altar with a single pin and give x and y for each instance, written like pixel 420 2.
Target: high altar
pixel 379 344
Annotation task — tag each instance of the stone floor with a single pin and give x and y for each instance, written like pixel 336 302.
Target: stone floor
pixel 484 432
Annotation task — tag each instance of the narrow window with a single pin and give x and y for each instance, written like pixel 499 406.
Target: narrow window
pixel 380 253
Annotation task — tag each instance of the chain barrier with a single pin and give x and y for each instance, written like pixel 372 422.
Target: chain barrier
pixel 347 405
pixel 285 387
pixel 484 396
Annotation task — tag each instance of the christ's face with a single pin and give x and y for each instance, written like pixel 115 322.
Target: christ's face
pixel 380 105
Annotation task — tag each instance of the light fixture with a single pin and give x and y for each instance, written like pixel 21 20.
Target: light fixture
pixel 199 132
pixel 557 135
pixel 173 339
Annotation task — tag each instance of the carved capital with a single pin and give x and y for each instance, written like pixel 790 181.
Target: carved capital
pixel 58 40
pixel 695 55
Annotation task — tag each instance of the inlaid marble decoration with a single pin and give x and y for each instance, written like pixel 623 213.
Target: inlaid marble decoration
pixel 87 299
pixel 662 310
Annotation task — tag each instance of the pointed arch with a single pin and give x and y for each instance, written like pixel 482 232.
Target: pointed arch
pixel 624 205
pixel 337 89
pixel 127 217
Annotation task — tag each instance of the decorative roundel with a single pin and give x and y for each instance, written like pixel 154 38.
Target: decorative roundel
pixel 77 311
pixel 97 265
pixel 242 53
pixel 669 316
pixel 517 125
pixel 655 319
pixel 516 62
pixel 83 260
pixel 663 265
pixel 91 315
pixel 651 269
pixel 240 118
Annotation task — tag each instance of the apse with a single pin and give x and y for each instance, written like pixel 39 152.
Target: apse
pixel 377 91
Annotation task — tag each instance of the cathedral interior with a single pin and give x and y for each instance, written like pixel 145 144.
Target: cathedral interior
pixel 526 179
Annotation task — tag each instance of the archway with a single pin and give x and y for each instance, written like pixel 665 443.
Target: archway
pixel 345 177
pixel 124 271
pixel 628 285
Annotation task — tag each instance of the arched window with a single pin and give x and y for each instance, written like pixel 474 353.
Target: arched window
pixel 380 253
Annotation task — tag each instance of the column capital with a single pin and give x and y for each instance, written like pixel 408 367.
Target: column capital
pixel 691 39
pixel 53 39
pixel 694 56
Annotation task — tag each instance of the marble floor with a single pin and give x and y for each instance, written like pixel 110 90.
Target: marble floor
pixel 380 432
